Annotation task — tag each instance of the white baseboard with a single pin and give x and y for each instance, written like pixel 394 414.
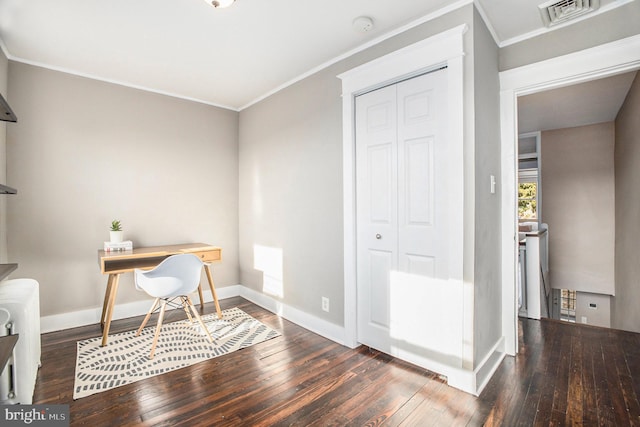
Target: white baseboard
pixel 485 369
pixel 472 382
pixel 58 322
pixel 91 316
pixel 312 323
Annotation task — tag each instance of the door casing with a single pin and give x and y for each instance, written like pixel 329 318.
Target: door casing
pixel 598 62
pixel 444 49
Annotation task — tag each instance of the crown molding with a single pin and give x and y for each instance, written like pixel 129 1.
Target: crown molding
pixel 116 82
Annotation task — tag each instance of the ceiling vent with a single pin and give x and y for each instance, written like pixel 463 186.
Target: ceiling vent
pixel 556 12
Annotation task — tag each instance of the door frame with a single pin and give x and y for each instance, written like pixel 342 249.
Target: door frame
pixel 601 61
pixel 443 49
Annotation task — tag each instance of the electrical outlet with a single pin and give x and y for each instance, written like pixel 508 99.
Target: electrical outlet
pixel 325 304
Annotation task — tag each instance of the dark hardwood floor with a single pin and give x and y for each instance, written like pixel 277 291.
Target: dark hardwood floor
pixel 563 375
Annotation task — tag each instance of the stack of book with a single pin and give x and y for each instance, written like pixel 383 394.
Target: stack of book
pixel 126 245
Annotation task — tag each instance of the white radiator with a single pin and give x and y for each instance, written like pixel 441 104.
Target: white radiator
pixel 20 314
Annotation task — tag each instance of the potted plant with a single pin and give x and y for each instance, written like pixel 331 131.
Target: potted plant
pixel 115 232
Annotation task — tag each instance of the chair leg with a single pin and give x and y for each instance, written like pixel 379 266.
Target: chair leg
pixel 200 295
pixel 158 327
pixel 146 318
pixel 183 302
pixel 195 312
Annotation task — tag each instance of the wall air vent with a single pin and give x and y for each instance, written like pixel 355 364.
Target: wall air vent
pixel 556 12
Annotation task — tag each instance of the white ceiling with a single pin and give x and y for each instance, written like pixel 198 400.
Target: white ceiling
pixel 227 57
pixel 597 101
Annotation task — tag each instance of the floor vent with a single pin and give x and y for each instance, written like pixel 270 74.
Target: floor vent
pixel 556 12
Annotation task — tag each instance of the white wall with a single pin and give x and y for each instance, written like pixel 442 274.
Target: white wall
pixel 86 152
pixel 578 189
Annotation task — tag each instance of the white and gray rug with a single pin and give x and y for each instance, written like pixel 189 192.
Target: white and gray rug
pixel 125 359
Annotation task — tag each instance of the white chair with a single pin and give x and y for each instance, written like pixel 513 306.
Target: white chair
pixel 174 278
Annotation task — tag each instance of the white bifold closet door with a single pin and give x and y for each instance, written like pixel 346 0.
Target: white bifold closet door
pixel 401 174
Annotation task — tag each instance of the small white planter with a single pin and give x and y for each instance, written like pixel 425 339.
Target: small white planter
pixel 115 236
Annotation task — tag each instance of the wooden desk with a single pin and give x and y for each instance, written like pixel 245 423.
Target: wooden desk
pixel 116 263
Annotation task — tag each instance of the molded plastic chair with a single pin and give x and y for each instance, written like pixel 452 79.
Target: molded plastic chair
pixel 174 278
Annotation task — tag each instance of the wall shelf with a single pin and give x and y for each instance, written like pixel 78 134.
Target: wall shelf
pixel 6 269
pixel 7 190
pixel 7 343
pixel 6 114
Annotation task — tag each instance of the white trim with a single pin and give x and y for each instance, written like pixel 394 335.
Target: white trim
pixel 307 321
pixel 446 48
pixel 613 58
pixel 487 22
pixel 497 354
pixel 461 378
pixel 115 82
pixel 404 62
pixel 509 242
pixel 589 64
pixel 74 319
pixel 91 316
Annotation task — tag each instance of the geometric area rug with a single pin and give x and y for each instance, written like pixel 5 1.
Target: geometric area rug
pixel 125 359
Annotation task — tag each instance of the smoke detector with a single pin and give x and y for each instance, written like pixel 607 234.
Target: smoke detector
pixel 556 12
pixel 219 3
pixel 363 24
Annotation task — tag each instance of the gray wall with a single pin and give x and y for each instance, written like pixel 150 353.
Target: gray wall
pixel 291 193
pixel 625 313
pixel 291 176
pixel 4 73
pixel 488 286
pixel 291 183
pixel 85 152
pixel 579 206
pixel 614 25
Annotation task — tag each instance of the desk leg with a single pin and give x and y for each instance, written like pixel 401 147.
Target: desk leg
pixel 105 303
pixel 213 290
pixel 113 290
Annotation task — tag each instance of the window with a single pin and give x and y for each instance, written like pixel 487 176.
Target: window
pixel 527 200
pixel 528 179
pixel 568 305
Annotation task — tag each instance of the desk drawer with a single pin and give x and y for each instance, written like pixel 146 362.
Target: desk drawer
pixel 208 256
